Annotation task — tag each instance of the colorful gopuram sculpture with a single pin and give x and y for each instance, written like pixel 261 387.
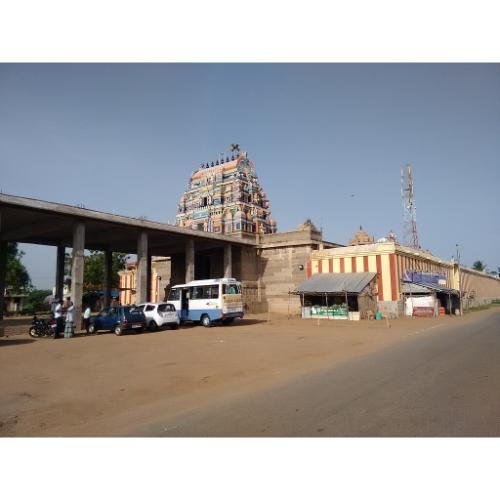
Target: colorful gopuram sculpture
pixel 226 197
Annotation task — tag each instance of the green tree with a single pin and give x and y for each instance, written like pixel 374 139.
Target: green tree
pixel 479 265
pixel 16 275
pixel 93 274
pixel 35 301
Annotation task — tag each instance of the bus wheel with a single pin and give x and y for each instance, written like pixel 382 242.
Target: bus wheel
pixel 206 321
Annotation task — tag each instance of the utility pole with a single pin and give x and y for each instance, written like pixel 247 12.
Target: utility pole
pixel 459 284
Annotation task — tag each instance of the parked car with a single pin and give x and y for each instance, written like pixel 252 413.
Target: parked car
pixel 119 320
pixel 159 315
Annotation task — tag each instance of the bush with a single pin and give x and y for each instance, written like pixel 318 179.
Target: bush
pixel 36 301
pixel 28 310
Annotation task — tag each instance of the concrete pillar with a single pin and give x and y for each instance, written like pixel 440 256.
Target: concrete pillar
pixel 228 257
pixel 3 269
pixel 150 287
pixel 77 271
pixel 189 260
pixel 61 253
pixel 108 276
pixel 141 290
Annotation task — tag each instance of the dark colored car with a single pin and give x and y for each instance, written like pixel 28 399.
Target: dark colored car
pixel 119 320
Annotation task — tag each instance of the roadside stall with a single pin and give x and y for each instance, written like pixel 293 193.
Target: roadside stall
pixel 429 299
pixel 338 296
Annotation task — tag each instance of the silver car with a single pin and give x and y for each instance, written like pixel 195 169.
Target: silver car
pixel 160 315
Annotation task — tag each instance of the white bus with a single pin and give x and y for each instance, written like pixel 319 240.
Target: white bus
pixel 207 301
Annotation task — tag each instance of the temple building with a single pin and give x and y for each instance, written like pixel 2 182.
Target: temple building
pixel 370 275
pixel 226 197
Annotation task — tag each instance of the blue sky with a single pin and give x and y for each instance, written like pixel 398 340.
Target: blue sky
pixel 125 138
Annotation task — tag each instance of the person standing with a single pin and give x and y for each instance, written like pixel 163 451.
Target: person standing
pixel 69 327
pixel 58 316
pixel 86 319
pixel 66 303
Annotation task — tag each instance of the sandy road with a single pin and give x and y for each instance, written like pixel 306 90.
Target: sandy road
pixel 117 386
pixel 443 385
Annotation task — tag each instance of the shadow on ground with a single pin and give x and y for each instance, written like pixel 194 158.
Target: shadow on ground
pixel 247 322
pixel 19 321
pixel 8 341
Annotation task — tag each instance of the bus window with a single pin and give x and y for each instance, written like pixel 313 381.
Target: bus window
pixel 205 292
pixel 175 294
pixel 197 292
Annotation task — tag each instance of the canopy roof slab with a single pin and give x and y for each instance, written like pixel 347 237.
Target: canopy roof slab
pixel 28 220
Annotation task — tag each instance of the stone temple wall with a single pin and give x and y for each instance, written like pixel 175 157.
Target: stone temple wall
pixel 282 269
pixel 390 308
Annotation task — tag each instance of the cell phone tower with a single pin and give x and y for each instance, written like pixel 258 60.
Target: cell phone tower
pixel 410 233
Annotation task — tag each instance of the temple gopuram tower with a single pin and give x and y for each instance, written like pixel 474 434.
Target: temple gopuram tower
pixel 225 197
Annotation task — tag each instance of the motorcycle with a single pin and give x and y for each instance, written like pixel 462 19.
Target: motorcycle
pixel 42 328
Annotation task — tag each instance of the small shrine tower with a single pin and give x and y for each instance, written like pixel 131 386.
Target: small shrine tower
pixel 361 238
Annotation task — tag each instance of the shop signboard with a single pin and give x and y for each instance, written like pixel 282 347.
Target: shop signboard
pixel 424 277
pixel 423 312
pixel 334 312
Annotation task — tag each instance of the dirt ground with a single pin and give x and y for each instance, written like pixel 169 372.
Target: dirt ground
pixel 106 385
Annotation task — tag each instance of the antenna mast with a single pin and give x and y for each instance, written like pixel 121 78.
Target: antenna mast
pixel 409 210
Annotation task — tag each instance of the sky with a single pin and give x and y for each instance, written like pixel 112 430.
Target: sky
pixel 328 142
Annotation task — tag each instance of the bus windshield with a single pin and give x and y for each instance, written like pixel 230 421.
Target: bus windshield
pixel 231 289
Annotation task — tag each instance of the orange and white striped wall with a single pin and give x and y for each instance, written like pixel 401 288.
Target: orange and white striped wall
pixel 389 260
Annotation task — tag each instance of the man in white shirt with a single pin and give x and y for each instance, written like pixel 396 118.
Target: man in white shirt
pixel 86 319
pixel 69 327
pixel 59 317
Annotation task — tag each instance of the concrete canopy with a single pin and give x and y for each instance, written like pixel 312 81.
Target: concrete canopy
pixel 27 220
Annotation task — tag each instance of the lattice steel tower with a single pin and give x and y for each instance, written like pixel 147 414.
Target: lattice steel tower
pixel 410 233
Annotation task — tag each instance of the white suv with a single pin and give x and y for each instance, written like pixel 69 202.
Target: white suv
pixel 158 315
